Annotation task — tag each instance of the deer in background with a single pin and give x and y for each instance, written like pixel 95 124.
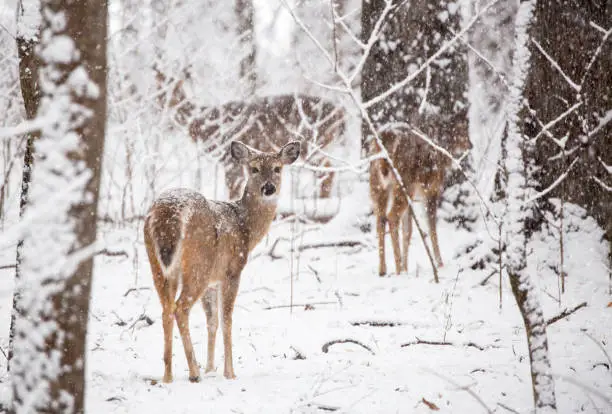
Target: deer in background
pixel 264 123
pixel 203 245
pixel 422 169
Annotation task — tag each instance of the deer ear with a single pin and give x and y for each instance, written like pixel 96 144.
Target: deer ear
pixel 240 152
pixel 290 152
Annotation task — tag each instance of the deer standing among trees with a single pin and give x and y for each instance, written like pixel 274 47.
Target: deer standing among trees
pixel 203 245
pixel 422 169
pixel 263 123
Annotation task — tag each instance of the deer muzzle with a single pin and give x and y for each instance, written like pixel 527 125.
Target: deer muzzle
pixel 268 189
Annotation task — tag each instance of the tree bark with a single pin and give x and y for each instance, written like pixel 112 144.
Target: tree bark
pixel 29 64
pixel 410 34
pixel 519 215
pixel 245 14
pixel 48 363
pixel 571 82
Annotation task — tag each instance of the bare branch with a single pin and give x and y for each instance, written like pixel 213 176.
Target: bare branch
pixel 602 184
pixel 564 314
pixel 555 65
pixel 548 126
pixel 463 388
pixel 595 55
pixel 396 87
pixel 325 347
pixel 551 187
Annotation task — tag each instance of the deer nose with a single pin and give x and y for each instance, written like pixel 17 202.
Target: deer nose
pixel 268 189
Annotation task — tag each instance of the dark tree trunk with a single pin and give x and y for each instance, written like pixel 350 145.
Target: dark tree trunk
pixel 29 64
pixel 411 34
pixel 570 37
pixel 48 365
pixel 245 14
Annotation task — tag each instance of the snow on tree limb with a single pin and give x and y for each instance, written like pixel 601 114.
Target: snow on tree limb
pixel 48 361
pixel 518 213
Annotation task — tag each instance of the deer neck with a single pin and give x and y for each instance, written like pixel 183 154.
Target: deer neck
pixel 256 216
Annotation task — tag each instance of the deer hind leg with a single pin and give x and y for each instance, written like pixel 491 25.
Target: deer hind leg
pixel 190 293
pixel 229 290
pixel 406 236
pixel 398 208
pixel 432 212
pixel 166 286
pixel 211 309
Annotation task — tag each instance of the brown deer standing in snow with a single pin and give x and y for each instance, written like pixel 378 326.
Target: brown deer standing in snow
pixel 422 169
pixel 264 123
pixel 203 245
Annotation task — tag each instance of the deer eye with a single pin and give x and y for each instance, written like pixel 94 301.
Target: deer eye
pixel 254 170
pixel 277 169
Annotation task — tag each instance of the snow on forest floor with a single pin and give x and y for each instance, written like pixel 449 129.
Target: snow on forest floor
pixel 279 360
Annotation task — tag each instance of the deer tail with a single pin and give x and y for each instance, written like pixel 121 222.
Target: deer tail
pixel 165 228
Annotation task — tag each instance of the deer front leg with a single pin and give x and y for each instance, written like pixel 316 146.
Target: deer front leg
pixel 229 290
pixel 379 194
pixel 381 224
pixel 210 305
pixel 432 212
pixel 395 215
pixel 406 236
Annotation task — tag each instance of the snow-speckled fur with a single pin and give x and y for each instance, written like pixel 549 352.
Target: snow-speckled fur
pixel 204 245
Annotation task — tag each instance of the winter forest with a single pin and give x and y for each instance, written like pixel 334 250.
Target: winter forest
pixel 305 206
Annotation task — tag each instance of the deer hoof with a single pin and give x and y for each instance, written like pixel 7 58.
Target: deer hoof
pixel 167 379
pixel 194 379
pixel 209 369
pixel 230 376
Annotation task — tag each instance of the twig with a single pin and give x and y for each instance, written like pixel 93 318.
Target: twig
pixel 377 324
pixel 298 354
pixel 325 347
pixel 565 313
pixel 4 353
pixel 463 388
pixel 486 279
pixel 298 305
pixel 323 407
pixel 443 343
pixel 142 317
pixel 111 253
pixel 600 347
pixel 555 65
pixel 9 266
pixel 587 388
pixel 130 290
pixel 346 243
pixel 507 408
pixel 430 405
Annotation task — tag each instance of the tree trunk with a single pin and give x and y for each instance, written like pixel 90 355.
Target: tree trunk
pixel 245 14
pixel 571 82
pixel 410 34
pixel 29 64
pixel 519 215
pixel 48 363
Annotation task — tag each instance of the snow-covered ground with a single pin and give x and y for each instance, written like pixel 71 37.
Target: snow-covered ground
pixel 279 360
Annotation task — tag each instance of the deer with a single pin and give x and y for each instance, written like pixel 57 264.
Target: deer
pixel 263 123
pixel 422 168
pixel 203 246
